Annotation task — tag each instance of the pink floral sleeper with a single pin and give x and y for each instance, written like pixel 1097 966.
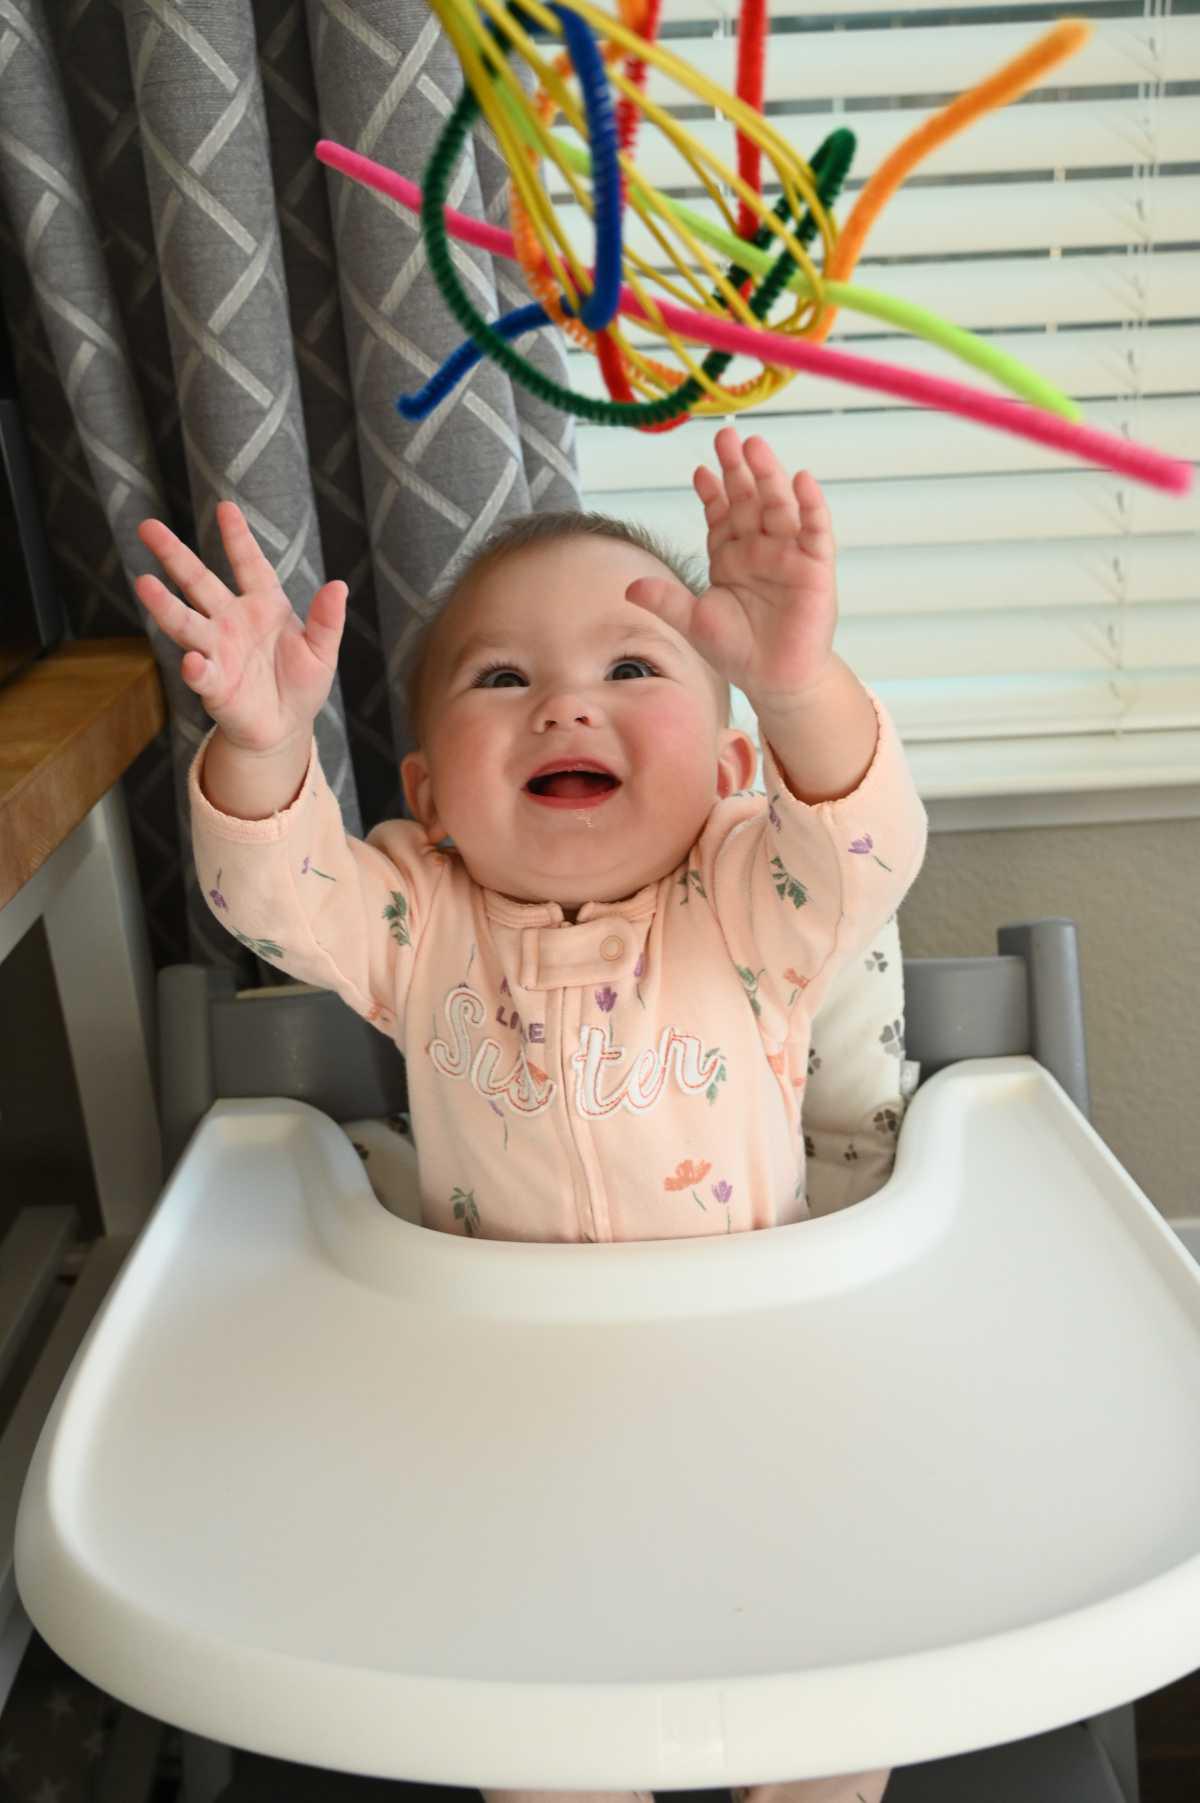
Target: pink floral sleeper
pixel 637 1074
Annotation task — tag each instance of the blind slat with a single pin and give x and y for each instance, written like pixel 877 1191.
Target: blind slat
pixel 998 293
pixel 944 59
pixel 1056 290
pixel 1031 707
pixel 1036 640
pixel 1096 213
pixel 1035 134
pixel 723 14
pixel 915 581
pixel 970 510
pixel 1023 706
pixel 861 444
pixel 1033 736
pixel 1163 360
pixel 1105 762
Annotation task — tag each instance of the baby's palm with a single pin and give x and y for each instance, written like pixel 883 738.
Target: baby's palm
pixel 766 619
pixel 766 624
pixel 262 673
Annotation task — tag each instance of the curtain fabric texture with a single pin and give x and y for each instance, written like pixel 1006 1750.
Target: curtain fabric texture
pixel 199 310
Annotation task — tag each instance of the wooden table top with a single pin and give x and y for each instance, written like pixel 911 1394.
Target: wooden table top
pixel 70 725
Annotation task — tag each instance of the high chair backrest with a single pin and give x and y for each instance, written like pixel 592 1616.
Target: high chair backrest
pixel 215 1042
pixel 1028 998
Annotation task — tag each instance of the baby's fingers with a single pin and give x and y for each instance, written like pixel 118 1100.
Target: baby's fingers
pixel 203 589
pixel 190 630
pixel 667 600
pixel 251 568
pixel 326 622
pixel 779 515
pixel 816 526
pixel 716 508
pixel 200 674
pixel 740 486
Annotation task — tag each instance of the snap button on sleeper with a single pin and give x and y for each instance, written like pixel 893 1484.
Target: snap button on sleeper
pixel 611 948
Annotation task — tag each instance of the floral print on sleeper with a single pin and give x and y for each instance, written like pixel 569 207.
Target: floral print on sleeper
pixel 635 1074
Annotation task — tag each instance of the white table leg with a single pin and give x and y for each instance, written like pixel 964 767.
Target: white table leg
pixel 96 929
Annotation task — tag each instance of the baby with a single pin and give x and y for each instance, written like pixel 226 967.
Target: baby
pixel 604 985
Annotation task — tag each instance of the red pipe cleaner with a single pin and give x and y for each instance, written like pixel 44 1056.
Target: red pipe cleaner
pixel 751 75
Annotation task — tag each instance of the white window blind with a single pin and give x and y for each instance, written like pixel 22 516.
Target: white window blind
pixel 1032 623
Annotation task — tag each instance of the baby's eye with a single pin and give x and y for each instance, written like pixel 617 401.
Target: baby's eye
pixel 493 677
pixel 638 665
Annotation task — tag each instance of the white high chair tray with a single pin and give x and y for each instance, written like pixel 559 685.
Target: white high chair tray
pixel 884 1486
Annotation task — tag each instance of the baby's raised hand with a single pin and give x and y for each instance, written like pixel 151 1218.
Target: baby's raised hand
pixel 767 622
pixel 261 672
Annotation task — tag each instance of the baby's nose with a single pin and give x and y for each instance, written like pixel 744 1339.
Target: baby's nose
pixel 565 710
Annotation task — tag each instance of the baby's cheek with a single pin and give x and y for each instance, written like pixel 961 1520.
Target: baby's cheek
pixel 464 746
pixel 464 761
pixel 679 739
pixel 474 740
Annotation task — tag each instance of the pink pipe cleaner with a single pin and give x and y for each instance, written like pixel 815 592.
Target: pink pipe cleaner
pixel 1015 417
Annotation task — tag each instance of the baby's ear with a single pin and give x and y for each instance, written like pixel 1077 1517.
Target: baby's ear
pixel 737 761
pixel 418 794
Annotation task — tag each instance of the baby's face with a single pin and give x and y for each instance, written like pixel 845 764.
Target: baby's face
pixel 541 665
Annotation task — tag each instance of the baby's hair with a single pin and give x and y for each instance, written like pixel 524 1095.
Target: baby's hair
pixel 520 534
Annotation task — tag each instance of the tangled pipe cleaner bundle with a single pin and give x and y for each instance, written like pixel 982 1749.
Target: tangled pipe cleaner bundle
pixel 674 287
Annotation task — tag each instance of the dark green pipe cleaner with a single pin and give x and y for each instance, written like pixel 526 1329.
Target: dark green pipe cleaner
pixel 829 166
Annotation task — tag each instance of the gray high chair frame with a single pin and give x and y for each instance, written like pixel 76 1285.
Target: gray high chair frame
pixel 307 1045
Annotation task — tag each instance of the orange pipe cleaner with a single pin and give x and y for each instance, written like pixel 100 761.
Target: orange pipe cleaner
pixel 1025 71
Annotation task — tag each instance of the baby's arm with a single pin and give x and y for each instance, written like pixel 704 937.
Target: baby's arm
pixel 802 886
pixel 275 864
pixel 767 622
pixel 262 674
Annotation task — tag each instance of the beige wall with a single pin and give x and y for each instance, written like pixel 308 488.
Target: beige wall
pixel 1133 891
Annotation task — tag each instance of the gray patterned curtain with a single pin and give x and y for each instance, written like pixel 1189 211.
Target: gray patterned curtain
pixel 199 309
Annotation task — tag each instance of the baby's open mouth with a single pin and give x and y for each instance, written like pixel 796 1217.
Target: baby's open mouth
pixel 571 785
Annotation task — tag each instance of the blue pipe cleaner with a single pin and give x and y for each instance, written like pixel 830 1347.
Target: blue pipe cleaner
pixel 601 304
pixel 510 325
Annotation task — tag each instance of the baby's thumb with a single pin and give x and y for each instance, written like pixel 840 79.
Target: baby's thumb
pixel 326 620
pixel 666 600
